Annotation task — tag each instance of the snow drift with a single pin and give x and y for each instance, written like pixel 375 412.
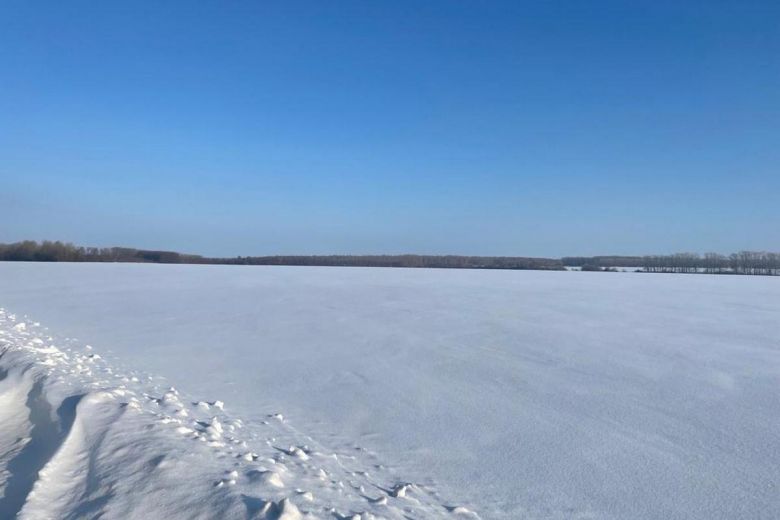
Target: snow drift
pixel 82 439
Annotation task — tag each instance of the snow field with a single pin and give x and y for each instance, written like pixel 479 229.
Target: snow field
pixel 515 394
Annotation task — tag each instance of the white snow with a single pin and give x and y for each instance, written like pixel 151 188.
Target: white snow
pixel 89 445
pixel 387 393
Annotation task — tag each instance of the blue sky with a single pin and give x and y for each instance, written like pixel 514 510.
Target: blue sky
pixel 497 128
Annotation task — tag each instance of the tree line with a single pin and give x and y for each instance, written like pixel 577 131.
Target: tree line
pixel 602 261
pixel 47 251
pixel 437 261
pixel 744 262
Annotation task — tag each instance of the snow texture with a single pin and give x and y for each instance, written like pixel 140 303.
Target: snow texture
pixel 397 393
pixel 80 439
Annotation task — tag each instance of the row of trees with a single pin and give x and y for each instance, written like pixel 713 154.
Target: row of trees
pixel 31 251
pixel 444 261
pixel 47 251
pixel 744 262
pixel 602 261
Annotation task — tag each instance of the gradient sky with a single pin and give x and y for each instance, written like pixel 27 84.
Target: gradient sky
pixel 498 128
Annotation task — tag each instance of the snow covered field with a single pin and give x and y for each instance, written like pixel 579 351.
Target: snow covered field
pixel 514 394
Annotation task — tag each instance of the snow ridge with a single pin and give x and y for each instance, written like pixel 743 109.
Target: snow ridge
pixel 81 439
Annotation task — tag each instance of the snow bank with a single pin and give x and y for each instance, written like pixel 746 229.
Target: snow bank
pixel 82 439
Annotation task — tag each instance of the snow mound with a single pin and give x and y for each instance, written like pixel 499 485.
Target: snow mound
pixel 80 438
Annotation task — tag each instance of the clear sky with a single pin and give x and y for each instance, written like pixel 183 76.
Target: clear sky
pixel 500 128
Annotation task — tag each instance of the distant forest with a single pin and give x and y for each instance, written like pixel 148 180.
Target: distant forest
pixel 30 251
pixel 744 262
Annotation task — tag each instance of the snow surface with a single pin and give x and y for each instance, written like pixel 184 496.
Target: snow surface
pixel 514 394
pixel 79 439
